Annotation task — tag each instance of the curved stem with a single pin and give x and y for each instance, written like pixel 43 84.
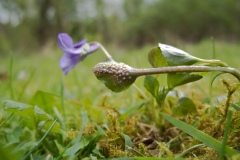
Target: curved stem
pixel 140 91
pixel 104 50
pixel 177 69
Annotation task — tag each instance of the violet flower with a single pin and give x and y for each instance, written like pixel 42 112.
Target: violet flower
pixel 74 53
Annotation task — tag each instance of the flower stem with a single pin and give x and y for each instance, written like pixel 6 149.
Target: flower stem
pixel 104 50
pixel 177 69
pixel 140 91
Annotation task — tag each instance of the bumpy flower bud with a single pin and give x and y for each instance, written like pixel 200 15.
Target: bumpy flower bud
pixel 116 76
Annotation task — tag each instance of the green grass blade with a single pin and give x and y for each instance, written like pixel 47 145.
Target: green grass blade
pixel 100 130
pixel 24 87
pixel 236 107
pixel 71 151
pixel 11 78
pixel 59 117
pixel 6 120
pixel 128 142
pixel 189 149
pixel 60 156
pixel 131 110
pixel 199 135
pixel 226 132
pixel 41 140
pixel 62 99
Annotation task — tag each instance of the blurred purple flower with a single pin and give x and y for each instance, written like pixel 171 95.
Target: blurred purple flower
pixel 73 53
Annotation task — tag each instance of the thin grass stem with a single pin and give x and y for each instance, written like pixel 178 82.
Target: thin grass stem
pixel 25 85
pixel 11 78
pixel 62 99
pixel 6 120
pixel 189 149
pixel 104 50
pixel 136 151
pixel 41 140
pixel 225 135
pixel 140 91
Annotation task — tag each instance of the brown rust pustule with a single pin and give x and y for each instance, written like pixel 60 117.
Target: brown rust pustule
pixel 116 76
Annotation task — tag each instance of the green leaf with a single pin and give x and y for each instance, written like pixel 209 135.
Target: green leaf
pixel 100 130
pixel 176 57
pixel 85 146
pixel 71 151
pixel 226 133
pixel 97 152
pixel 40 115
pixel 44 120
pixel 161 95
pixel 201 136
pixel 185 106
pixel 165 55
pixel 18 108
pixel 34 115
pixel 55 128
pixel 39 142
pixel 9 104
pixel 59 147
pixel 156 59
pixel 236 107
pixel 93 157
pixel 128 142
pixel 151 84
pixel 46 101
pixel 77 146
pixel 177 79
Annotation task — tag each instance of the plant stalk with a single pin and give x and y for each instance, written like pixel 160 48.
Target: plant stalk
pixel 178 69
pixel 104 50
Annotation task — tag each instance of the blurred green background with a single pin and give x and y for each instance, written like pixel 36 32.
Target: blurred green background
pixel 33 25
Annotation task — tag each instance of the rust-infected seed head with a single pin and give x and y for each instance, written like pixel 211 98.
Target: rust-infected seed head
pixel 116 76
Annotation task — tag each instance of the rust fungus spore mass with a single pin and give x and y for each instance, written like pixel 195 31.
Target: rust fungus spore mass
pixel 116 76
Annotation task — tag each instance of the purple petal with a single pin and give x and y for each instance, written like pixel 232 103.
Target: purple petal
pixel 73 51
pixel 79 44
pixel 65 41
pixel 69 61
pixel 93 47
